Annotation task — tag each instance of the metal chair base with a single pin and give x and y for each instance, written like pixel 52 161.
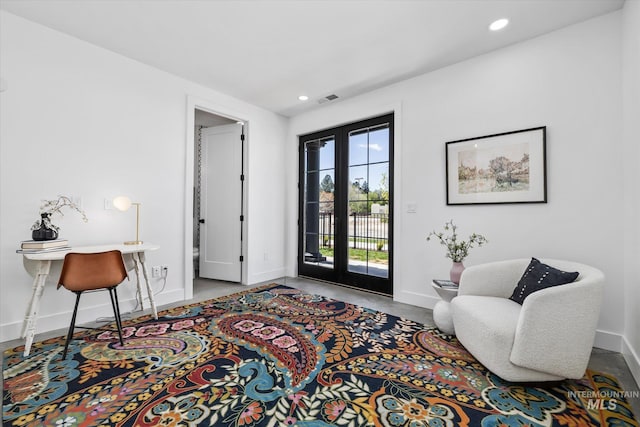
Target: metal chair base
pixel 113 293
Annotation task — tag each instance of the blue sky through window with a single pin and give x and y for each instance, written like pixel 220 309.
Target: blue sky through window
pixel 327 155
pixel 365 148
pixel 369 148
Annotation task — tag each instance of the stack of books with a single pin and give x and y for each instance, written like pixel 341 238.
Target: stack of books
pixel 38 246
pixel 446 284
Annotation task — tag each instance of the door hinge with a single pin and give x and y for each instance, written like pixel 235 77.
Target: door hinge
pixel 241 217
pixel 242 137
pixel 201 221
pixel 242 177
pixel 241 258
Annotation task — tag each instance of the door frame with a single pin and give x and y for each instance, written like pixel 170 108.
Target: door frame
pixel 339 273
pixel 196 103
pixel 234 140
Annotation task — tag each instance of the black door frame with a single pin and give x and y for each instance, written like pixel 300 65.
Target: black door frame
pixel 340 273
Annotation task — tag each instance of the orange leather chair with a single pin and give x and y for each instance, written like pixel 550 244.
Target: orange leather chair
pixel 88 272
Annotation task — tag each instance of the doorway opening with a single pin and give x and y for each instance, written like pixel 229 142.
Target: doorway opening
pixel 218 197
pixel 345 227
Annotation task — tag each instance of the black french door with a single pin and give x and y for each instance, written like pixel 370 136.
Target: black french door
pixel 346 205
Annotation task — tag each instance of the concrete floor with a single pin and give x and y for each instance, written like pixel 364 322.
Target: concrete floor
pixel 601 360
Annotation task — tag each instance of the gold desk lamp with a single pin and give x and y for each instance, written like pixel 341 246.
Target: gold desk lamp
pixel 123 203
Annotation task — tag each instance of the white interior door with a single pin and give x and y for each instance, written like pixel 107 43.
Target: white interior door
pixel 221 203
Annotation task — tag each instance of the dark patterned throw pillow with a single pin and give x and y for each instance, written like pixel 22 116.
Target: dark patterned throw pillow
pixel 539 276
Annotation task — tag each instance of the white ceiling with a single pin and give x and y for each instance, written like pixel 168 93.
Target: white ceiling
pixel 269 52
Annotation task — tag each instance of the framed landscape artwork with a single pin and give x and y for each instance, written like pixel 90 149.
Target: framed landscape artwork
pixel 502 168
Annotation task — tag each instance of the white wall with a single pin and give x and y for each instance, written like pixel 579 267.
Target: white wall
pixel 82 121
pixel 568 80
pixel 631 136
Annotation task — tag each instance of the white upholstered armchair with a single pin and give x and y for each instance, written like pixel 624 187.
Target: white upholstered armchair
pixel 547 338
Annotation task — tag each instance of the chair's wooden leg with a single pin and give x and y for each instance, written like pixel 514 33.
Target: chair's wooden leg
pixel 72 326
pixel 116 312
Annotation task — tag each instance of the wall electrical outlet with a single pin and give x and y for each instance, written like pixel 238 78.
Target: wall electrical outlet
pixel 159 271
pixel 156 271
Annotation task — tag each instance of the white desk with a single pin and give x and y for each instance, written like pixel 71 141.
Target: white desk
pixel 38 265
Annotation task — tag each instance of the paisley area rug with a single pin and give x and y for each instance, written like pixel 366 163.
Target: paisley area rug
pixel 274 356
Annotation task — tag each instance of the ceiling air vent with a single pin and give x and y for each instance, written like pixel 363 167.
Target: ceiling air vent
pixel 327 98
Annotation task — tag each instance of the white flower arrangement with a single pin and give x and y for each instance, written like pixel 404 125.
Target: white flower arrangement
pixel 457 250
pixel 50 207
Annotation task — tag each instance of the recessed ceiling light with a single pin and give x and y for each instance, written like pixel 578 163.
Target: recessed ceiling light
pixel 499 24
pixel 303 97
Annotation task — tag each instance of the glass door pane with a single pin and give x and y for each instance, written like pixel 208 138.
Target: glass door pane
pixel 345 215
pixel 368 201
pixel 319 204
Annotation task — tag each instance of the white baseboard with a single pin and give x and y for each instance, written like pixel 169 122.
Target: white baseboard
pixel 265 276
pixel 416 298
pixel 632 358
pixel 60 320
pixel 608 341
pixel 167 297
